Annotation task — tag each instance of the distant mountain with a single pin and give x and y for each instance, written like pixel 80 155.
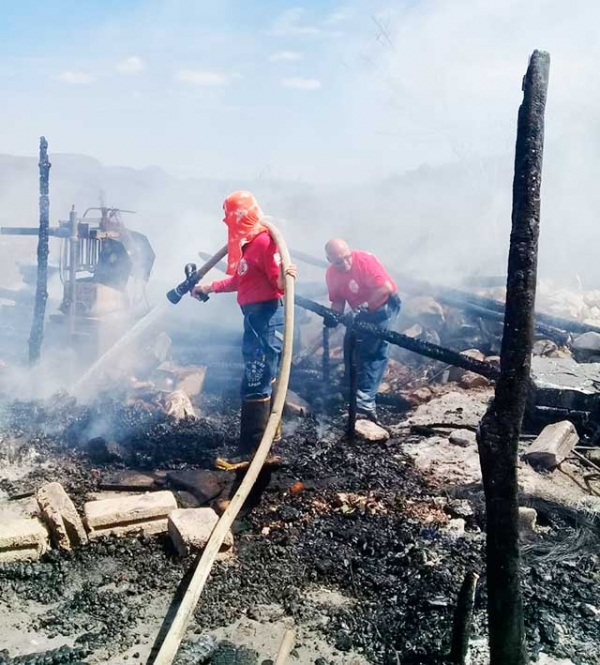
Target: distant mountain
pixel 441 223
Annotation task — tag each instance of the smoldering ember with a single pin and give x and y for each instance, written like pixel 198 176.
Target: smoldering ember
pixel 134 529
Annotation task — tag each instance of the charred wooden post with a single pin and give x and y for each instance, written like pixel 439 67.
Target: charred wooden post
pixel 498 434
pixel 352 364
pixel 417 346
pixel 463 619
pixel 41 292
pixel 326 365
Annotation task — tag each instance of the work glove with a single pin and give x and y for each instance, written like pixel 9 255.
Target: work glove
pixel 360 314
pixel 330 321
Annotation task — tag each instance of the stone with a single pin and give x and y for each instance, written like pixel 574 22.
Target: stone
pixel 191 528
pixel 544 347
pixel 179 406
pixel 455 528
pixel 589 610
pixel 147 513
pixel 425 310
pixel 129 481
pixel 61 516
pixel 456 373
pixel 203 484
pixel 586 347
pixel 191 381
pixel 527 521
pixel 23 539
pixel 420 396
pixel 187 500
pixel 295 405
pixel 370 431
pixel 460 508
pixel 470 380
pixel 562 383
pixel 593 456
pixel 463 438
pixel 553 445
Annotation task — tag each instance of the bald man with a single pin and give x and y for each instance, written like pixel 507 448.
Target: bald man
pixel 359 279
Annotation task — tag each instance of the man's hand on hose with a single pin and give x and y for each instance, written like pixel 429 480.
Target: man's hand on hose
pixel 201 290
pixel 292 271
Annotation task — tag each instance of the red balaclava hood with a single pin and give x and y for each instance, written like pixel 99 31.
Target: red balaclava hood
pixel 243 217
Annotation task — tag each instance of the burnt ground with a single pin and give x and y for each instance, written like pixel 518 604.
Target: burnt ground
pixel 364 523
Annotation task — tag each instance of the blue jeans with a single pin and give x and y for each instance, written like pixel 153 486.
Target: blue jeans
pixel 373 354
pixel 261 347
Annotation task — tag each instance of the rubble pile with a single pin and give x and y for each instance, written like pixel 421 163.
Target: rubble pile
pixel 111 501
pixel 356 517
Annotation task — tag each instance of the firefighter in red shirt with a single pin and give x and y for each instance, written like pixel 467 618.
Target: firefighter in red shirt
pixel 254 270
pixel 359 279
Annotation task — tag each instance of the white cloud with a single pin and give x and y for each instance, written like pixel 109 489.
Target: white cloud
pixel 289 56
pixel 339 16
pixel 75 78
pixel 301 83
pixel 131 65
pixel 290 24
pixel 201 77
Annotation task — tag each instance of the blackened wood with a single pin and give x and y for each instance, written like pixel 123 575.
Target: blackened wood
pixel 410 343
pixel 352 364
pixel 41 293
pixel 326 365
pixel 463 619
pixel 500 427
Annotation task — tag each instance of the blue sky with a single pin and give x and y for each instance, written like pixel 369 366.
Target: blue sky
pixel 323 90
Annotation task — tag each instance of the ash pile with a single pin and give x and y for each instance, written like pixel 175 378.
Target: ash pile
pixel 359 544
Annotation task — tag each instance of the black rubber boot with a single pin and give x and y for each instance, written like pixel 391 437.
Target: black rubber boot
pixel 253 422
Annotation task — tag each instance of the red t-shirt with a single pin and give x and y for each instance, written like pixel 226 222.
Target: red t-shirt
pixel 257 272
pixel 356 286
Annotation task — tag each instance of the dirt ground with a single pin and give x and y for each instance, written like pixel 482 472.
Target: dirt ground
pixel 364 563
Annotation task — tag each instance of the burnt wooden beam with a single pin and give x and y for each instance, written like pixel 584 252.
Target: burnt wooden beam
pixel 499 430
pixel 41 293
pixel 415 345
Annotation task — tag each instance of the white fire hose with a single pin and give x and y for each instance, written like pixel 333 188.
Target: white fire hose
pixel 185 611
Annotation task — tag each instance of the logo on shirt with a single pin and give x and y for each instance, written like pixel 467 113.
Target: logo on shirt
pixel 242 267
pixel 353 286
pixel 277 258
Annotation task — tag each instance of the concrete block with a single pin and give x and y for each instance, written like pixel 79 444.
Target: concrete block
pixel 190 529
pixel 527 520
pixel 145 512
pixel 370 431
pixel 553 445
pixel 23 539
pixel 61 516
